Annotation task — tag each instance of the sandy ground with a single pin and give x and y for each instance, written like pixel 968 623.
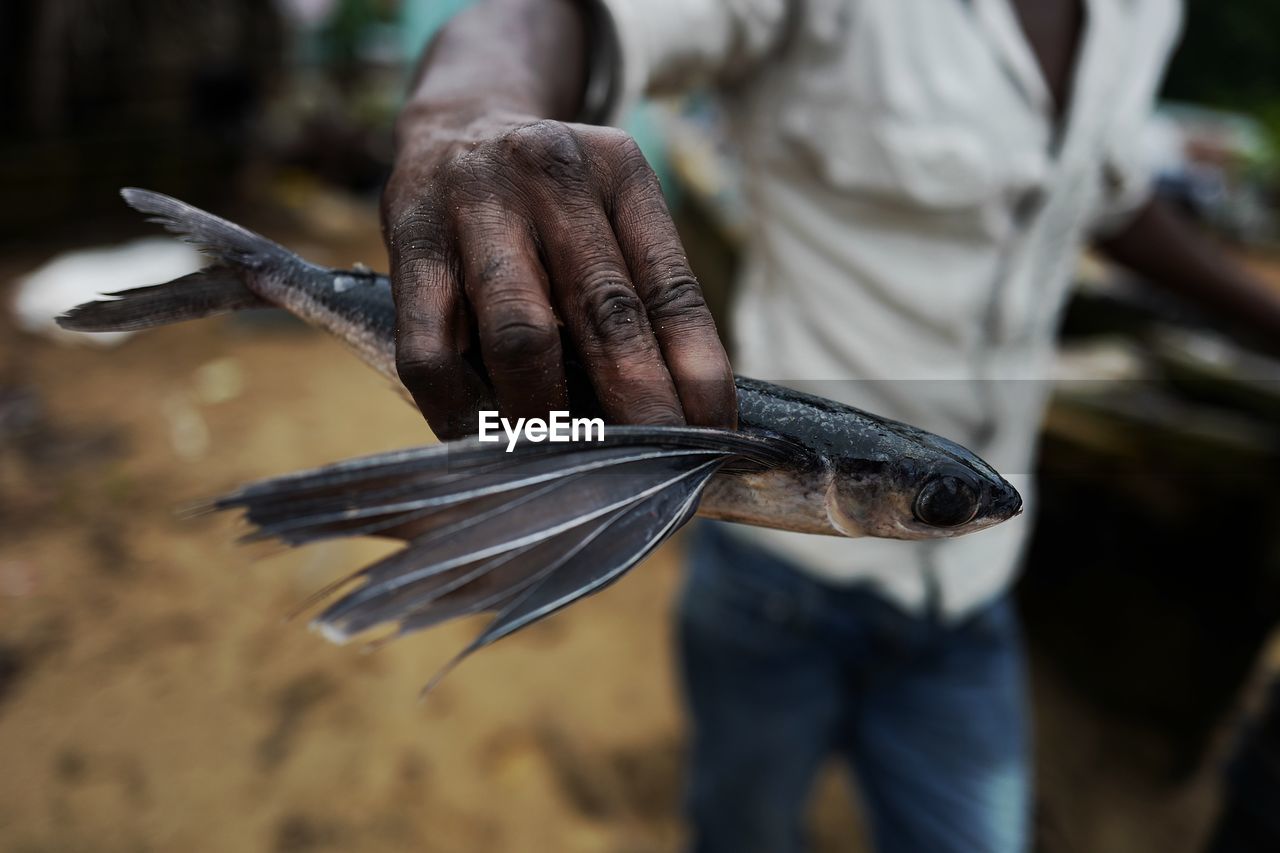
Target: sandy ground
pixel 153 698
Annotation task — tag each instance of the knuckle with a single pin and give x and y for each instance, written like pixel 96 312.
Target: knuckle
pixel 623 159
pixel 517 349
pixel 418 235
pixel 416 365
pixel 679 299
pixel 550 147
pixel 519 341
pixel 612 310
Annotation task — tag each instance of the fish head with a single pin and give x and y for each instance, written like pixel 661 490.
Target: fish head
pixel 919 487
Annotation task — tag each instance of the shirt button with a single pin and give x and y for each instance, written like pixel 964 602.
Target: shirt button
pixel 1028 205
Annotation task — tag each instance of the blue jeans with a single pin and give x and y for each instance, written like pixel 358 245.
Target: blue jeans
pixel 782 671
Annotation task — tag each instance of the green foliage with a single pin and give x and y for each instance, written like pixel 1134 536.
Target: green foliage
pixel 1229 59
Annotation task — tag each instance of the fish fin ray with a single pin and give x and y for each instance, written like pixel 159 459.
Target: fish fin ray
pixel 211 291
pixel 632 536
pixel 629 536
pixel 580 504
pixel 380 478
pixel 398 489
pixel 230 243
pixel 482 585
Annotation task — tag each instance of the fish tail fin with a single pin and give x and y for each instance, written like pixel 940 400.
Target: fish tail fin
pixel 211 291
pixel 229 243
pixel 218 289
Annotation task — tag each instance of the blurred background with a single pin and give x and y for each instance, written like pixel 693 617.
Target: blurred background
pixel 153 698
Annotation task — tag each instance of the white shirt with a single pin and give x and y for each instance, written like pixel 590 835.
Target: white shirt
pixel 916 215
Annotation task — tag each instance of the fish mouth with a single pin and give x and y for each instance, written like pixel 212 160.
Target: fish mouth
pixel 1007 504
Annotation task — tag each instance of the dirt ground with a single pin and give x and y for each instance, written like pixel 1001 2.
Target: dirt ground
pixel 152 697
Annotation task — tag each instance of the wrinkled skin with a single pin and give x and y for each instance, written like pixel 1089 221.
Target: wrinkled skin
pixel 506 228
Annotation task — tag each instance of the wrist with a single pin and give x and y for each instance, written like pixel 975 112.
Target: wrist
pixel 424 125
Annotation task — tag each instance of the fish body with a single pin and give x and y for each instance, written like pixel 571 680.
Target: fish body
pixel 526 532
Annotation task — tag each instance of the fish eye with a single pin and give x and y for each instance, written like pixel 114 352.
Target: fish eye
pixel 946 501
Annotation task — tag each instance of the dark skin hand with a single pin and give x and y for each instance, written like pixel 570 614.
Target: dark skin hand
pixel 505 223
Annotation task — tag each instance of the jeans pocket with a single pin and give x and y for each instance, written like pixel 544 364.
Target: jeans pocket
pixel 733 606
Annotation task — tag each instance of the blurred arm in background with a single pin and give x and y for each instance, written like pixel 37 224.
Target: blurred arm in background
pixel 502 217
pixel 1171 253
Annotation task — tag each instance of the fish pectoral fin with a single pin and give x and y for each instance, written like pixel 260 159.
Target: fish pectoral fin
pixel 596 560
pixel 522 533
pixel 494 512
pixel 626 538
pixel 406 493
pixel 524 578
pixel 497 542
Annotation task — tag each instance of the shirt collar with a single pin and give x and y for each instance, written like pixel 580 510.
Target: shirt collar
pixel 999 24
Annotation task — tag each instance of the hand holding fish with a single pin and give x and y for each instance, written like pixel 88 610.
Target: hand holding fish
pixel 517 238
pixel 517 228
